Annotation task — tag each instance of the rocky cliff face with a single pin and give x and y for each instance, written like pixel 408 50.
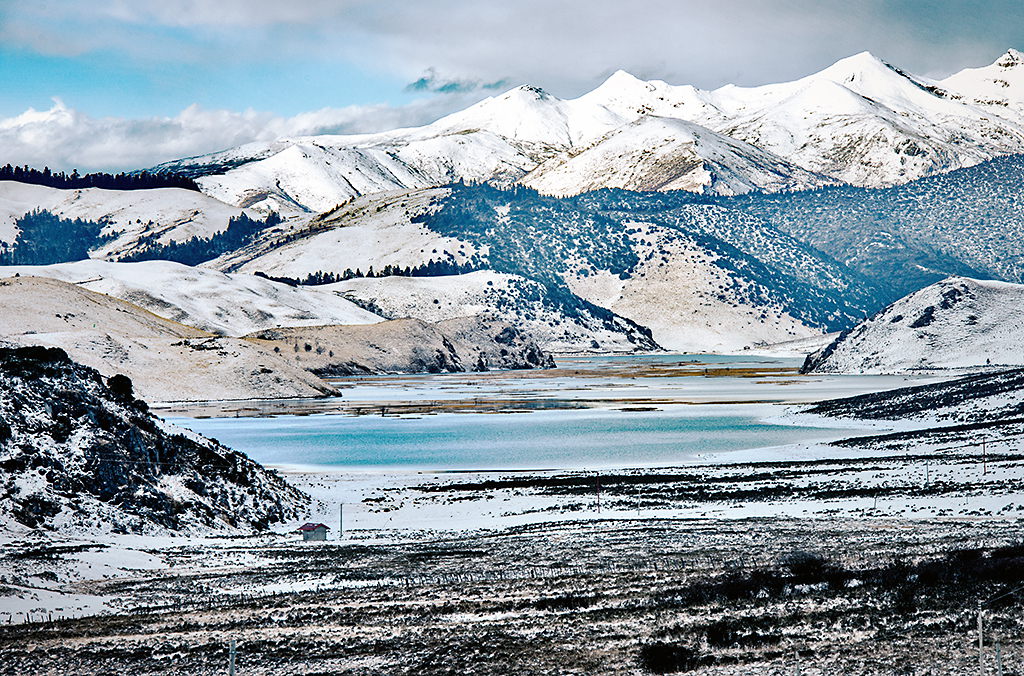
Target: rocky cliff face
pixel 80 453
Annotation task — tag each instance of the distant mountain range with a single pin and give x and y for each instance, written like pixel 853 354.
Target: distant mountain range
pixel 860 121
pixel 637 216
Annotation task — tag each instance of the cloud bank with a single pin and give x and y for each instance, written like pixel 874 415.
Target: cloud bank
pixel 452 52
pixel 64 138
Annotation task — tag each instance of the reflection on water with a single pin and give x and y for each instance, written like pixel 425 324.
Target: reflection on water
pixel 589 412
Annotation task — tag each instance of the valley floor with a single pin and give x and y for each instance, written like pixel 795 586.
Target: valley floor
pixel 865 557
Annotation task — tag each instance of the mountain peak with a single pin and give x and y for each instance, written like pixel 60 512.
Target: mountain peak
pixel 857 64
pixel 622 82
pixel 527 91
pixel 1010 59
pixel 622 77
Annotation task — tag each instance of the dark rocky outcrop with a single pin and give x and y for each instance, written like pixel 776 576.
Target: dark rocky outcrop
pixel 80 452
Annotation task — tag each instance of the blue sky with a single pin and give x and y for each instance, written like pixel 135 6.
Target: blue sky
pixel 213 73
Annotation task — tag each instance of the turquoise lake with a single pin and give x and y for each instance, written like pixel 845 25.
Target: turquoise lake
pixel 632 415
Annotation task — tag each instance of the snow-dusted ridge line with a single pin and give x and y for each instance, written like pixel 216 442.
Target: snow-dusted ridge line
pixel 220 303
pixel 860 121
pixel 956 324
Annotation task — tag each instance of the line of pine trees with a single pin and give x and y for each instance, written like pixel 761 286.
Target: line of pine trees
pixel 45 238
pixel 432 268
pixel 122 181
pixel 195 250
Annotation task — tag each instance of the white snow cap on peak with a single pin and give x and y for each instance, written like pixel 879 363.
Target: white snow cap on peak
pixel 623 83
pixel 622 77
pixel 1011 58
pixel 853 66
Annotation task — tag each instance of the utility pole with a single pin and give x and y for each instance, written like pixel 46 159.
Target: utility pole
pixel 999 658
pixel 598 492
pixel 231 658
pixel 341 520
pixel 981 641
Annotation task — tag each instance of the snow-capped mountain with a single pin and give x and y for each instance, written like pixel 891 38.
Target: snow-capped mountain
pixel 864 122
pixel 953 324
pixel 659 153
pixel 860 121
pixel 998 87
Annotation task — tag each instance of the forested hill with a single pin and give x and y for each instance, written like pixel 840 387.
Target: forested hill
pixel 139 180
pixel 968 222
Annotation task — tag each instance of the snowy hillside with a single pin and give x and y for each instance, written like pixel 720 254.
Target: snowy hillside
pixel 166 360
pixel 968 222
pixel 998 87
pixel 369 231
pixel 224 304
pixel 79 454
pixel 172 214
pixel 860 121
pixel 656 153
pixel 582 273
pixel 954 324
pixel 514 299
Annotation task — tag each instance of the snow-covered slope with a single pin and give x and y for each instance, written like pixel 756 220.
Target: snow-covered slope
pixel 583 273
pixel 688 301
pixel 499 139
pixel 657 153
pixel 166 360
pixel 225 304
pixel 510 298
pixel 372 231
pixel 172 214
pixel 953 324
pixel 79 454
pixel 860 121
pixel 998 87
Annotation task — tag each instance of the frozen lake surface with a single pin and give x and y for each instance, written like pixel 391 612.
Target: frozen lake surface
pixel 591 412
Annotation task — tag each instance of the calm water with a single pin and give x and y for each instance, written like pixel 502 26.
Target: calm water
pixel 590 437
pixel 542 439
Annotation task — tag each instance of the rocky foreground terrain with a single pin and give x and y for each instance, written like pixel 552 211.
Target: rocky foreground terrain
pixel 868 555
pixel 643 596
pixel 79 453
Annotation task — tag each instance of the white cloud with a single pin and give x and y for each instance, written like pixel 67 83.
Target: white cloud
pixel 566 46
pixel 64 138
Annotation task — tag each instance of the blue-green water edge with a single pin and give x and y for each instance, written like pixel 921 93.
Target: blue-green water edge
pixel 559 438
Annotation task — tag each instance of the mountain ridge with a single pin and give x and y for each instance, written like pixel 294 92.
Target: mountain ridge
pixel 861 121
